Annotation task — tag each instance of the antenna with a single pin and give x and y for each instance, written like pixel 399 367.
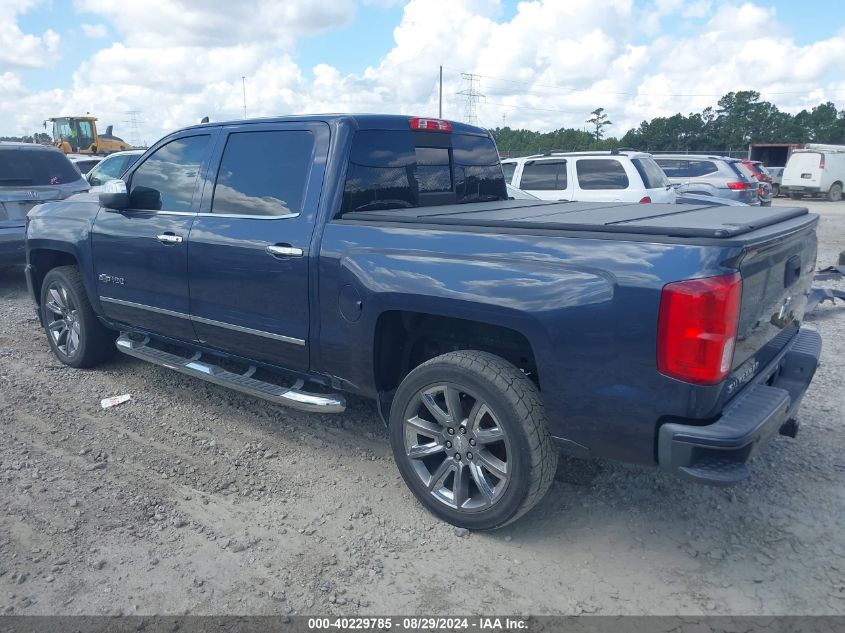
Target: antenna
pixel 472 94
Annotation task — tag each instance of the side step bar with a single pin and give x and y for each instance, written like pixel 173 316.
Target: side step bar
pixel 293 396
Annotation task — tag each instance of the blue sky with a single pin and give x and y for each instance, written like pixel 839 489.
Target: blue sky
pixel 176 60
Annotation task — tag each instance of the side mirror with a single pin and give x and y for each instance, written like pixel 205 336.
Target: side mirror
pixel 113 195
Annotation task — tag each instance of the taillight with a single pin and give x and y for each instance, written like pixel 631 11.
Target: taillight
pixel 696 328
pixel 430 125
pixel 739 184
pixel 645 200
pixel 821 162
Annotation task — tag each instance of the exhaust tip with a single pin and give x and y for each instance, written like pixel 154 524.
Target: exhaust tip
pixel 789 428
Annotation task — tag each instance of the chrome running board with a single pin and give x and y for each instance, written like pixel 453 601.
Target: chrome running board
pixel 294 396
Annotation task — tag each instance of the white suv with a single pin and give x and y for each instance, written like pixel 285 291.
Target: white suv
pixel 614 176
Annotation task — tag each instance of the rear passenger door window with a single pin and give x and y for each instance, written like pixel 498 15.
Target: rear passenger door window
pixel 673 168
pixel 263 173
pixel 601 173
pixel 544 175
pixel 699 168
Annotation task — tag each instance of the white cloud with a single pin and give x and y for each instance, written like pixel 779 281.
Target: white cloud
pixel 214 23
pixel 19 49
pixel 177 62
pixel 95 31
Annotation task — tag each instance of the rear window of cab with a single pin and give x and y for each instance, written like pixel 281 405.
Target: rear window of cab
pixel 396 169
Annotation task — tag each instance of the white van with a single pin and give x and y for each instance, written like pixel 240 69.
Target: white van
pixel 815 170
pixel 609 176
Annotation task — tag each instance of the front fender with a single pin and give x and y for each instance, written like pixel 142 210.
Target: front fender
pixel 59 233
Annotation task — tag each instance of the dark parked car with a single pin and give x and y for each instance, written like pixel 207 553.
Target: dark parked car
pixel 298 258
pixel 29 174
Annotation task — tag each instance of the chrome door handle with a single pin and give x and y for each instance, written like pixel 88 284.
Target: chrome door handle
pixel 284 251
pixel 169 238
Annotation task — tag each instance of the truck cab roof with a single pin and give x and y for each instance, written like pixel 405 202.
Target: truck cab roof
pixel 360 121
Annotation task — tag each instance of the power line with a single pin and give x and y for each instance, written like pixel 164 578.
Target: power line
pixel 472 95
pixel 132 123
pixel 563 89
pixel 522 107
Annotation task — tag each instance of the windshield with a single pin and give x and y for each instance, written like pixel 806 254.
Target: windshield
pixel 79 133
pixel 62 130
pixel 27 168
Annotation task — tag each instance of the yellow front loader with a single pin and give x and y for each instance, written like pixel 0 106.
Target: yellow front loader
pixel 78 135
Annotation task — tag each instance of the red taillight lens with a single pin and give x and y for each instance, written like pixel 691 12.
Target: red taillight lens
pixel 821 162
pixel 430 125
pixel 740 184
pixel 696 328
pixel 645 200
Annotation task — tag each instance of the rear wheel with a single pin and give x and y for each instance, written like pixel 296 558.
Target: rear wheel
pixel 469 436
pixel 75 335
pixel 834 194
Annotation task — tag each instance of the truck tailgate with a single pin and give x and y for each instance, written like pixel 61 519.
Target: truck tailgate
pixel 776 277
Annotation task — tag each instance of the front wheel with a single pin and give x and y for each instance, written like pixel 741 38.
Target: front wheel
pixel 75 335
pixel 469 436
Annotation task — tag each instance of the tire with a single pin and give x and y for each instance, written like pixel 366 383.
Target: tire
pixel 75 335
pixel 795 196
pixel 775 191
pixel 834 194
pixel 502 420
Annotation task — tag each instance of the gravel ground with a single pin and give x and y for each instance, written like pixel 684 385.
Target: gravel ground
pixel 194 499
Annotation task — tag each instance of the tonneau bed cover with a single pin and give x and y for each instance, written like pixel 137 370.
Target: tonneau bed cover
pixel 709 221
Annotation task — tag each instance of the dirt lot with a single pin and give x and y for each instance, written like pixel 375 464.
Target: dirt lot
pixel 192 498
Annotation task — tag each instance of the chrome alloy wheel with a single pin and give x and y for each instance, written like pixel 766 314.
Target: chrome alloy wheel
pixel 62 319
pixel 457 447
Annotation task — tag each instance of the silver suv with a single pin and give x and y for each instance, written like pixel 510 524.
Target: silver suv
pixel 718 176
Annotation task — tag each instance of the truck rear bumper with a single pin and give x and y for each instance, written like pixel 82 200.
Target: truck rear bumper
pixel 717 454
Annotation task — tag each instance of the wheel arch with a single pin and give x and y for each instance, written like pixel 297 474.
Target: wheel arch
pixel 404 339
pixel 42 260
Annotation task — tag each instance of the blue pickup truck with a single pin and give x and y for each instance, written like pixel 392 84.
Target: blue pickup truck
pixel 299 258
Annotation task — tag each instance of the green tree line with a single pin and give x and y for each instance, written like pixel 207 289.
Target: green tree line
pixel 38 137
pixel 738 119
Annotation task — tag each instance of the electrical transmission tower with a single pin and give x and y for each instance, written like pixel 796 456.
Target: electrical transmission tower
pixel 472 94
pixel 132 127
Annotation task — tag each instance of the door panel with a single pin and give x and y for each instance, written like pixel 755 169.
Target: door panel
pixel 140 254
pixel 245 299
